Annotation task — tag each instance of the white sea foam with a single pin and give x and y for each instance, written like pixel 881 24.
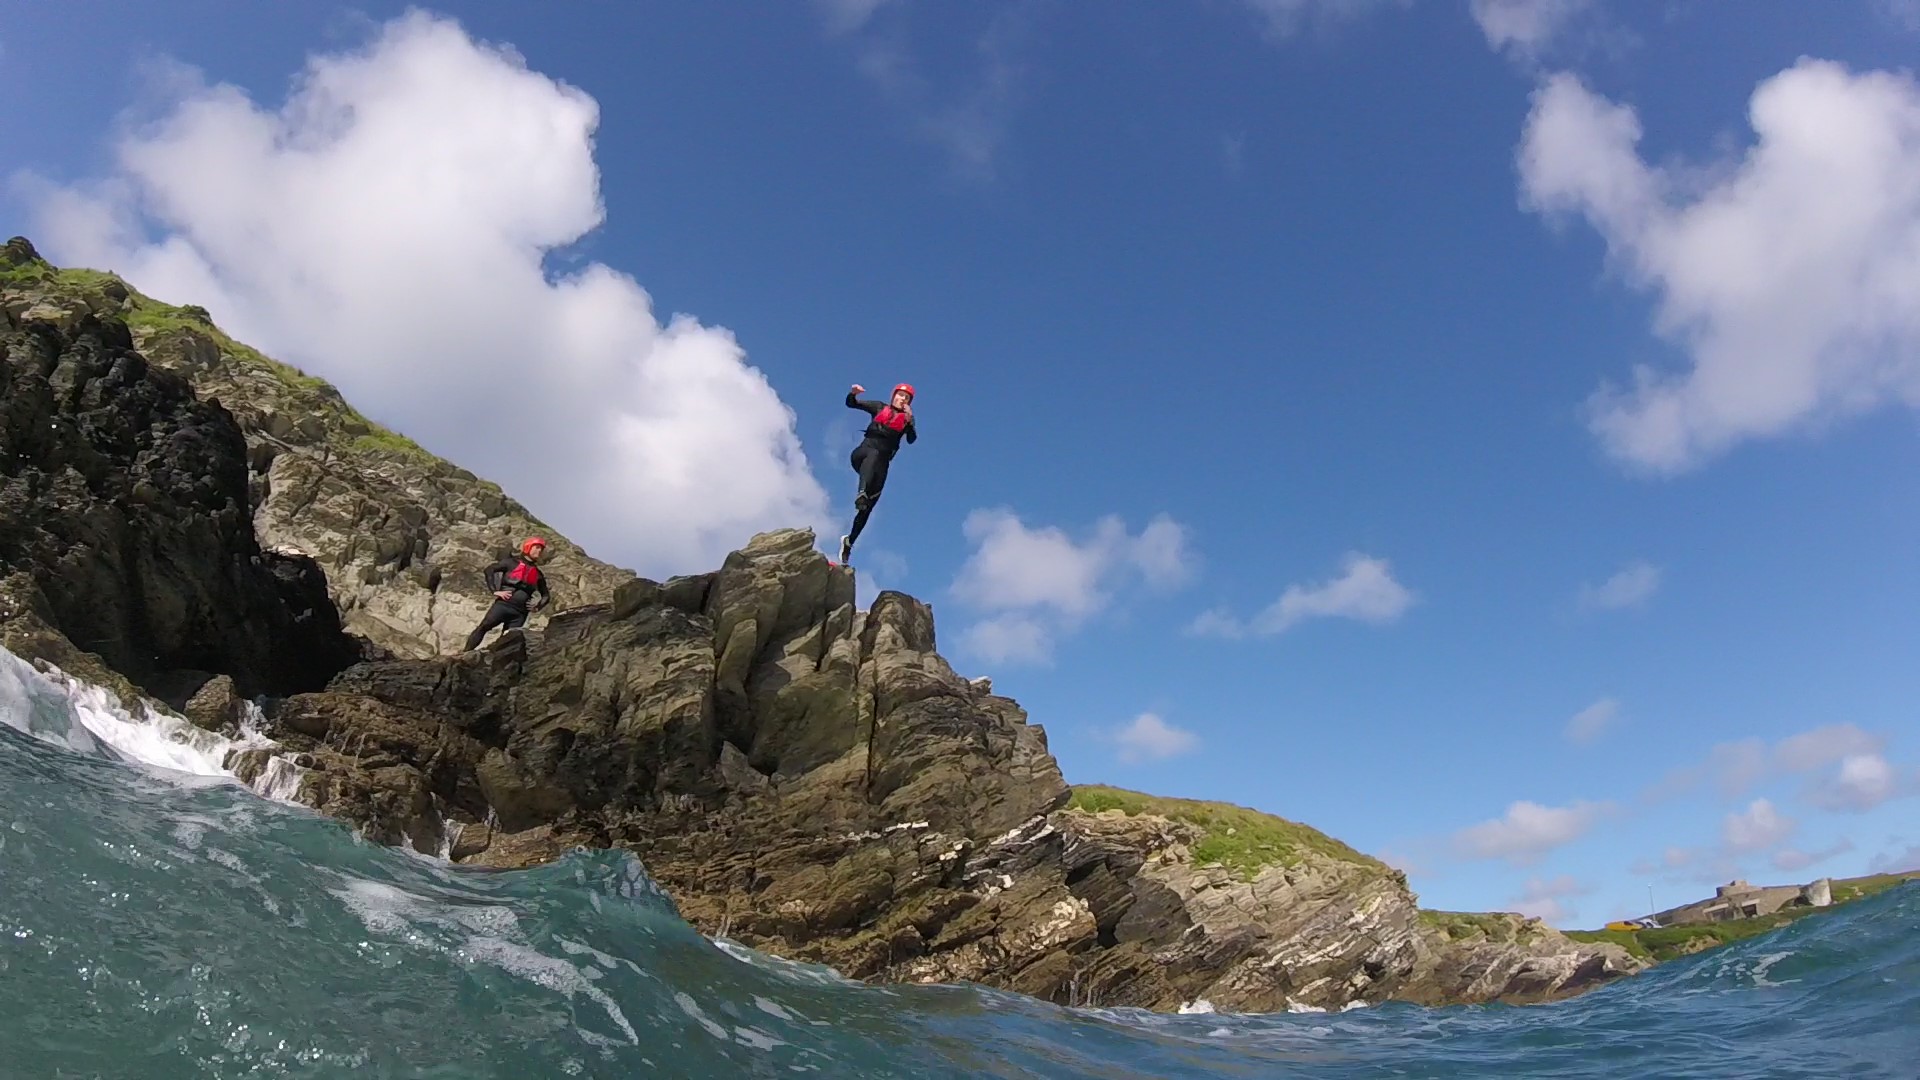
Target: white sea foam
pixel 692 1008
pixel 57 708
pixel 549 971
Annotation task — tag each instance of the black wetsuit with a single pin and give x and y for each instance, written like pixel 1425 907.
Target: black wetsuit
pixel 525 579
pixel 875 453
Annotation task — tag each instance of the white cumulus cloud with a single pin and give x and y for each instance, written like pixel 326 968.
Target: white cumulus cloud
pixel 1859 783
pixel 1760 826
pixel 1039 582
pixel 388 227
pixel 1737 766
pixel 967 117
pixel 880 570
pixel 1846 768
pixel 1593 721
pixel 1525 27
pixel 1793 860
pixel 1365 592
pixel 1732 767
pixel 1150 738
pixel 1787 277
pixel 1672 859
pixel 1903 13
pixel 1402 861
pixel 1823 746
pixel 1896 861
pixel 1528 830
pixel 1009 639
pixel 1857 773
pixel 846 16
pixel 1285 18
pixel 1549 899
pixel 1633 586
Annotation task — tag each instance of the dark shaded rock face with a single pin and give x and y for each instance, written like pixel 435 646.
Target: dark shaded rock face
pixel 123 505
pixel 403 536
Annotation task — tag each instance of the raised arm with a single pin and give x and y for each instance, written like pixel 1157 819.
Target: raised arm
pixel 869 407
pixel 913 433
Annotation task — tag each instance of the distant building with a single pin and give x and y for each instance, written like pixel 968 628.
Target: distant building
pixel 1739 900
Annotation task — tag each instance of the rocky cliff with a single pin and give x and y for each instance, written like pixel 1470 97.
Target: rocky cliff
pixel 124 523
pixel 402 535
pixel 806 777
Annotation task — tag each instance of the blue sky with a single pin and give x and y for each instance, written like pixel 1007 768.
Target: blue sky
pixel 1281 439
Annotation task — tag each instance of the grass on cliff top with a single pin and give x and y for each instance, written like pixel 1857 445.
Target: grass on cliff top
pixel 29 274
pixel 153 316
pixel 1238 838
pixel 1493 926
pixel 1847 890
pixel 144 314
pixel 1672 942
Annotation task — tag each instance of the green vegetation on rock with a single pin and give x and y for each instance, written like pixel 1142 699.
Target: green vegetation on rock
pixel 153 317
pixel 157 324
pixel 19 277
pixel 27 275
pixel 382 441
pixel 1673 942
pixel 1847 890
pixel 1235 837
pixel 407 572
pixel 1496 927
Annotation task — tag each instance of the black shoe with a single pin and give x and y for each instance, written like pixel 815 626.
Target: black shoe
pixel 846 550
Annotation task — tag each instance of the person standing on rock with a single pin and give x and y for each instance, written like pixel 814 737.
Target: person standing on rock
pixel 891 422
pixel 513 581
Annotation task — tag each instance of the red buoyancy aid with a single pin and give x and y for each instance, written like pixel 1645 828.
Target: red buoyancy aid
pixel 891 419
pixel 524 575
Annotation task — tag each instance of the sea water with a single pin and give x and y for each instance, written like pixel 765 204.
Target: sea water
pixel 160 919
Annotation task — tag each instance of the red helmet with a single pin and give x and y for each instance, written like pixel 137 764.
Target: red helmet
pixel 531 542
pixel 908 387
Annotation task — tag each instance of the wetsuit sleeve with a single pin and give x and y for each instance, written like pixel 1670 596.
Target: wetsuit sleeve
pixel 913 433
pixel 868 407
pixel 545 595
pixel 497 575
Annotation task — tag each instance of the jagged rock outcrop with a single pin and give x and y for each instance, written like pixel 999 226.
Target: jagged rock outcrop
pixel 402 536
pixel 808 778
pixel 818 782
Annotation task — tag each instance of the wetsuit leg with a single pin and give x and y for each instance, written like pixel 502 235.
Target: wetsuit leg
pixel 500 614
pixel 872 463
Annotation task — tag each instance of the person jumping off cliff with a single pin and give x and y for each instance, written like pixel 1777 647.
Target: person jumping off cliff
pixel 513 582
pixel 891 422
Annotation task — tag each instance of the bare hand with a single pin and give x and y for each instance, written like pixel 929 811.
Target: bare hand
pixel 505 594
pixel 858 389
